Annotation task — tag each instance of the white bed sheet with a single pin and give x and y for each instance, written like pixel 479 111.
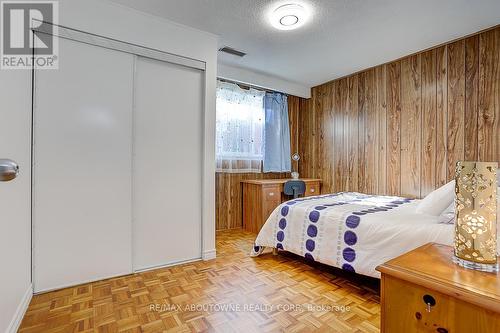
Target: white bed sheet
pixel 351 231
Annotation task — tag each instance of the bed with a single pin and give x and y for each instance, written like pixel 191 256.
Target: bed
pixel 352 231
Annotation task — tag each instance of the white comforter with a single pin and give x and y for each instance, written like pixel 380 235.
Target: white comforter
pixel 352 231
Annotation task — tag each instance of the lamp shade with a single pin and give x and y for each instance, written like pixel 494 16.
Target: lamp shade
pixel 475 215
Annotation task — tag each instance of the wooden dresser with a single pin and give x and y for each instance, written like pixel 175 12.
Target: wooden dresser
pixel 424 291
pixel 262 196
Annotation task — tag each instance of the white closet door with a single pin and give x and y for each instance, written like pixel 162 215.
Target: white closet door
pixel 82 167
pixel 167 164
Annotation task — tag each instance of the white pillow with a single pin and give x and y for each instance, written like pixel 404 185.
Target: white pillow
pixel 448 215
pixel 437 201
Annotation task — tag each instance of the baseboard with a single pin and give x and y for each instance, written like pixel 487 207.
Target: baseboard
pixel 171 264
pixel 209 255
pixel 20 311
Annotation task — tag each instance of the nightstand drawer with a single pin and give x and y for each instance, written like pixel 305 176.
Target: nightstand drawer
pixel 412 308
pixel 424 291
pixel 312 189
pixel 272 193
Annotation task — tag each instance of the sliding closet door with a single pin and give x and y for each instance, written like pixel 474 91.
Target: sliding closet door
pixel 167 164
pixel 82 167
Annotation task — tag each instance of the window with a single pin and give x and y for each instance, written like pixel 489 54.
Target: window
pixel 239 128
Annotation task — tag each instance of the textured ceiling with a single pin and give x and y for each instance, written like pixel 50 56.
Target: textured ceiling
pixel 342 36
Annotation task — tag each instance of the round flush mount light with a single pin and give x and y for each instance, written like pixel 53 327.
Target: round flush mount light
pixel 289 16
pixel 289 20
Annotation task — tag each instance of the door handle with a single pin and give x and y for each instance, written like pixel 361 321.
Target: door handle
pixel 8 170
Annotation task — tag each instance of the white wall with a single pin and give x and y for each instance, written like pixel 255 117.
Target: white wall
pixel 110 20
pixel 247 76
pixel 15 202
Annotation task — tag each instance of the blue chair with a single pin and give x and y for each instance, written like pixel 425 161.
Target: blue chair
pixel 294 187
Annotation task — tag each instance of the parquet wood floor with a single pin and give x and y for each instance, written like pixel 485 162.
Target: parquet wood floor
pixel 292 296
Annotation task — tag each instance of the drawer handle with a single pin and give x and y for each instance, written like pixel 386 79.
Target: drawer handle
pixel 441 330
pixel 312 190
pixel 271 194
pixel 429 302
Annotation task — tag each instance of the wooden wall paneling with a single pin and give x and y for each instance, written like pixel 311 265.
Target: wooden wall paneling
pixel 324 123
pixel 339 142
pixel 430 110
pixel 318 147
pixel 368 130
pixel 362 119
pixel 370 142
pixel 471 98
pixel 331 123
pixel 441 115
pixel 411 126
pixel 489 96
pixel 381 111
pixel 351 131
pixel 306 136
pixel 456 106
pixel 293 116
pixel 221 201
pixel 325 138
pixel 224 208
pixel 312 139
pixel 429 121
pixel 218 204
pixel 236 198
pixel 317 127
pixel 393 88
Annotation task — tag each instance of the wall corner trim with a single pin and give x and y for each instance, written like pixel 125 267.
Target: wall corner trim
pixel 209 255
pixel 263 80
pixel 20 311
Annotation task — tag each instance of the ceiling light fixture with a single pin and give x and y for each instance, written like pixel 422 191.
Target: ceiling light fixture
pixel 289 16
pixel 289 20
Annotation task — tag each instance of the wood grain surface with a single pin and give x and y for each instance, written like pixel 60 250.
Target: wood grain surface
pixel 278 288
pixel 464 300
pixel 414 117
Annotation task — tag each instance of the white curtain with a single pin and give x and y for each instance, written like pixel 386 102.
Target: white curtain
pixel 239 128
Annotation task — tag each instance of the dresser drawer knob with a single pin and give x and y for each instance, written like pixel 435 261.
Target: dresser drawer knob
pixel 418 315
pixel 429 301
pixel 271 194
pixel 312 190
pixel 441 330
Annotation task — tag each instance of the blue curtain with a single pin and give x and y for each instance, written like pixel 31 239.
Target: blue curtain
pixel 277 134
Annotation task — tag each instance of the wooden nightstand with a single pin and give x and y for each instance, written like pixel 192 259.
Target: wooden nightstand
pixel 424 291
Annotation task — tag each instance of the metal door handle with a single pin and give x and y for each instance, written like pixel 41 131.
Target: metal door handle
pixel 8 170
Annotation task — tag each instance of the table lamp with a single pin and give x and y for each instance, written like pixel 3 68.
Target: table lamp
pixel 475 215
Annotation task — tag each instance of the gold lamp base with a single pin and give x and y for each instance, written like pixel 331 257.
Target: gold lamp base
pixel 475 216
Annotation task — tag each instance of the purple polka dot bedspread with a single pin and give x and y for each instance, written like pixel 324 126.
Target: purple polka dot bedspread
pixel 352 231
